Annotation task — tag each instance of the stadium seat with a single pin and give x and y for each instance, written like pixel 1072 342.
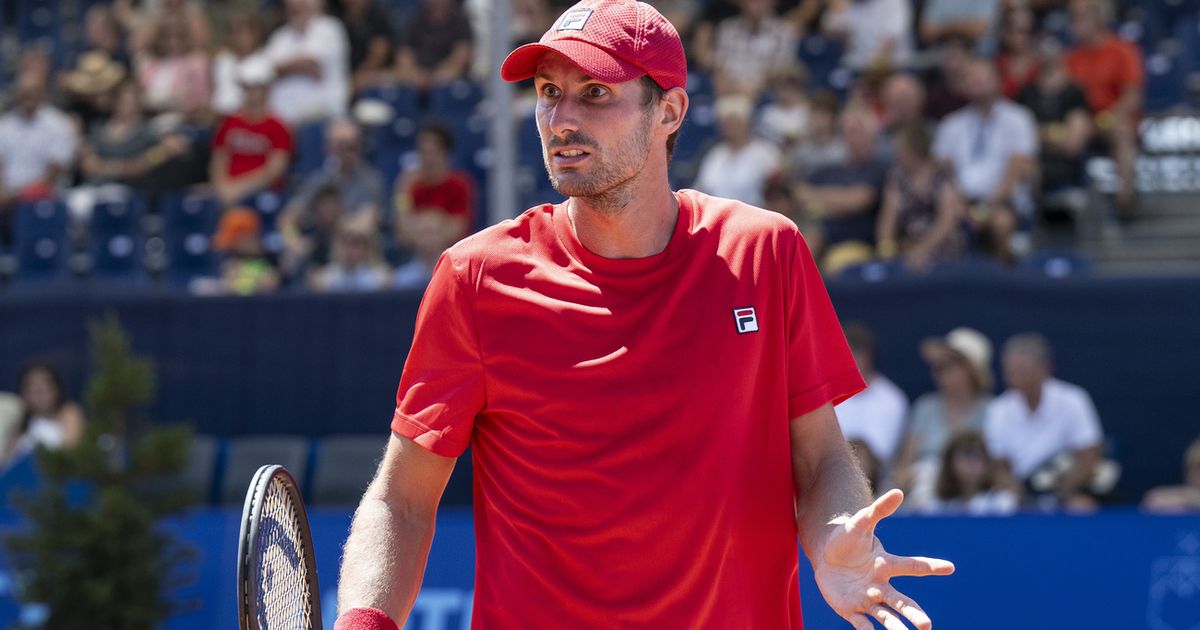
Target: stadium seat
pixel 344 466
pixel 455 100
pixel 117 215
pixel 186 212
pixel 117 257
pixel 245 455
pixel 1166 81
pixel 189 222
pixel 40 240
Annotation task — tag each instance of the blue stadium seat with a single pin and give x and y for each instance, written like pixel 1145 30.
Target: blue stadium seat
pixel 189 256
pixel 823 57
pixel 188 212
pixel 40 240
pixel 117 215
pixel 1166 81
pixel 269 204
pixel 455 100
pixel 38 20
pixel 117 257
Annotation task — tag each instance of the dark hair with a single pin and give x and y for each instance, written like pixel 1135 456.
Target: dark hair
pixel 915 137
pixel 60 396
pixel 654 93
pixel 948 486
pixel 444 136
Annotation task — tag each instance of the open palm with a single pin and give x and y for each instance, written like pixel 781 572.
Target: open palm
pixel 853 571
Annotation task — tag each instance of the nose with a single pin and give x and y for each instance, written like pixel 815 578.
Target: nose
pixel 559 119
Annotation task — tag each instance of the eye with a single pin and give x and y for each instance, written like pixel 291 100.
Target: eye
pixel 551 91
pixel 596 91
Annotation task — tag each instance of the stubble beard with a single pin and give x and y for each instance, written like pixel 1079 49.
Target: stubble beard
pixel 612 184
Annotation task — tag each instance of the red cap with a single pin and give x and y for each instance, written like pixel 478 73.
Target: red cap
pixel 611 40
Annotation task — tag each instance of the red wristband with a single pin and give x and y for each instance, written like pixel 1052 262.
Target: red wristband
pixel 364 619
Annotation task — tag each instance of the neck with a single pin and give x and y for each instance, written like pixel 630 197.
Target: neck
pixel 1033 396
pixel 624 223
pixel 959 399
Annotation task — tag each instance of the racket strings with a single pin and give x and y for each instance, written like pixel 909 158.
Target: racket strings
pixel 284 601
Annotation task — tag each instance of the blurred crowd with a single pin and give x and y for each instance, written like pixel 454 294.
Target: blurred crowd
pixel 943 131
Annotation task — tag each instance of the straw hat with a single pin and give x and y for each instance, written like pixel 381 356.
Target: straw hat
pixel 94 73
pixel 968 345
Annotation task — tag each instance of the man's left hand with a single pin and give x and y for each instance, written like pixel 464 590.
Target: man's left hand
pixel 853 569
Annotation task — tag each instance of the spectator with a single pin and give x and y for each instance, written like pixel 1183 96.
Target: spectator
pixel 751 47
pixel 1064 125
pixel 1017 62
pixel 1109 70
pixel 102 33
pixel 356 264
pixel 245 269
pixel 922 211
pixel 311 57
pixel 991 145
pixel 88 88
pixel 784 120
pixel 961 365
pixel 1040 419
pixel 174 72
pixel 876 414
pixel 778 196
pixel 50 419
pixel 245 44
pixel 426 239
pixel 124 149
pixel 359 183
pixel 1182 498
pixel 821 145
pixel 308 233
pixel 435 186
pixel 369 35
pixel 974 21
pixel 846 195
pixel 251 148
pixel 739 165
pixel 37 145
pixel 435 47
pixel 967 480
pixel 945 80
pixel 877 33
pixel 903 101
pixel 142 21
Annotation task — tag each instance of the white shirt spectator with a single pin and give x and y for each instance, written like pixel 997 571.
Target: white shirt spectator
pixel 297 98
pixel 28 146
pixel 980 146
pixel 1065 421
pixel 867 25
pixel 875 416
pixel 738 173
pixel 746 56
pixel 782 124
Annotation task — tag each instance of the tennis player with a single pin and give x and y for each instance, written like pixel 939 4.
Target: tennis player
pixel 646 378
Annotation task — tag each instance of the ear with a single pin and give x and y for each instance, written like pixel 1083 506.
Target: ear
pixel 674 107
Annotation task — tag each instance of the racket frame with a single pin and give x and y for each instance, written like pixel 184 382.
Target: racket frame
pixel 247 571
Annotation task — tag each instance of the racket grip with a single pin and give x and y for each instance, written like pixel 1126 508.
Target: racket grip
pixel 364 619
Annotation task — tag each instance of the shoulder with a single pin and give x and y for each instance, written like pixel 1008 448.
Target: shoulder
pixel 1068 391
pixel 507 239
pixel 730 216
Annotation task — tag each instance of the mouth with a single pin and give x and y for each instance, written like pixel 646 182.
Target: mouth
pixel 569 156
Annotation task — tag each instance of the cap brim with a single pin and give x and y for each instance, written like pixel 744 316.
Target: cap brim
pixel 596 62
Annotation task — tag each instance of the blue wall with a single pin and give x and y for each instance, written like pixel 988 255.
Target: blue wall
pixel 1118 570
pixel 317 365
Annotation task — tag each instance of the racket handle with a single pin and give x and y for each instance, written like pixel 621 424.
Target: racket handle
pixel 364 619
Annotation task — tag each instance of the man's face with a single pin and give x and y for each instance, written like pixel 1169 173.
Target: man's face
pixel 859 134
pixel 903 100
pixel 595 135
pixel 979 82
pixel 1085 24
pixel 343 143
pixel 1022 370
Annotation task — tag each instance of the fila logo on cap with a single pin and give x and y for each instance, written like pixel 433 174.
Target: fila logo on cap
pixel 574 20
pixel 746 320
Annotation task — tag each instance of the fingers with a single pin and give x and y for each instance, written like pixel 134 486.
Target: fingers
pixel 917 566
pixel 887 618
pixel 902 604
pixel 880 509
pixel 860 622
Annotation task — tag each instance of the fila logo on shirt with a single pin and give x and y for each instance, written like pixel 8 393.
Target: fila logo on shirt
pixel 574 20
pixel 745 319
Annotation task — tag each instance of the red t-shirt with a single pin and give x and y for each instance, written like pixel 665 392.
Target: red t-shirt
pixel 250 143
pixel 1103 71
pixel 628 418
pixel 455 195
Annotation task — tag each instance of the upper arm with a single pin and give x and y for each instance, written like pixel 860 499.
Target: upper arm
pixel 411 476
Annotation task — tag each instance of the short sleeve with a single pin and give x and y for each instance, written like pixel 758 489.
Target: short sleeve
pixel 442 387
pixel 1085 429
pixel 821 368
pixel 1129 68
pixel 222 134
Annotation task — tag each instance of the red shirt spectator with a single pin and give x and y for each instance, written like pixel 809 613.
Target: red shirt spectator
pixel 434 185
pixel 1104 70
pixel 249 142
pixel 454 195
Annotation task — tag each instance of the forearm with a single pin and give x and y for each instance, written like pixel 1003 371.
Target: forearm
pixel 383 561
pixel 827 492
pixel 1018 168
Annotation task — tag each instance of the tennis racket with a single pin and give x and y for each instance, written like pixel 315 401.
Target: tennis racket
pixel 276 571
